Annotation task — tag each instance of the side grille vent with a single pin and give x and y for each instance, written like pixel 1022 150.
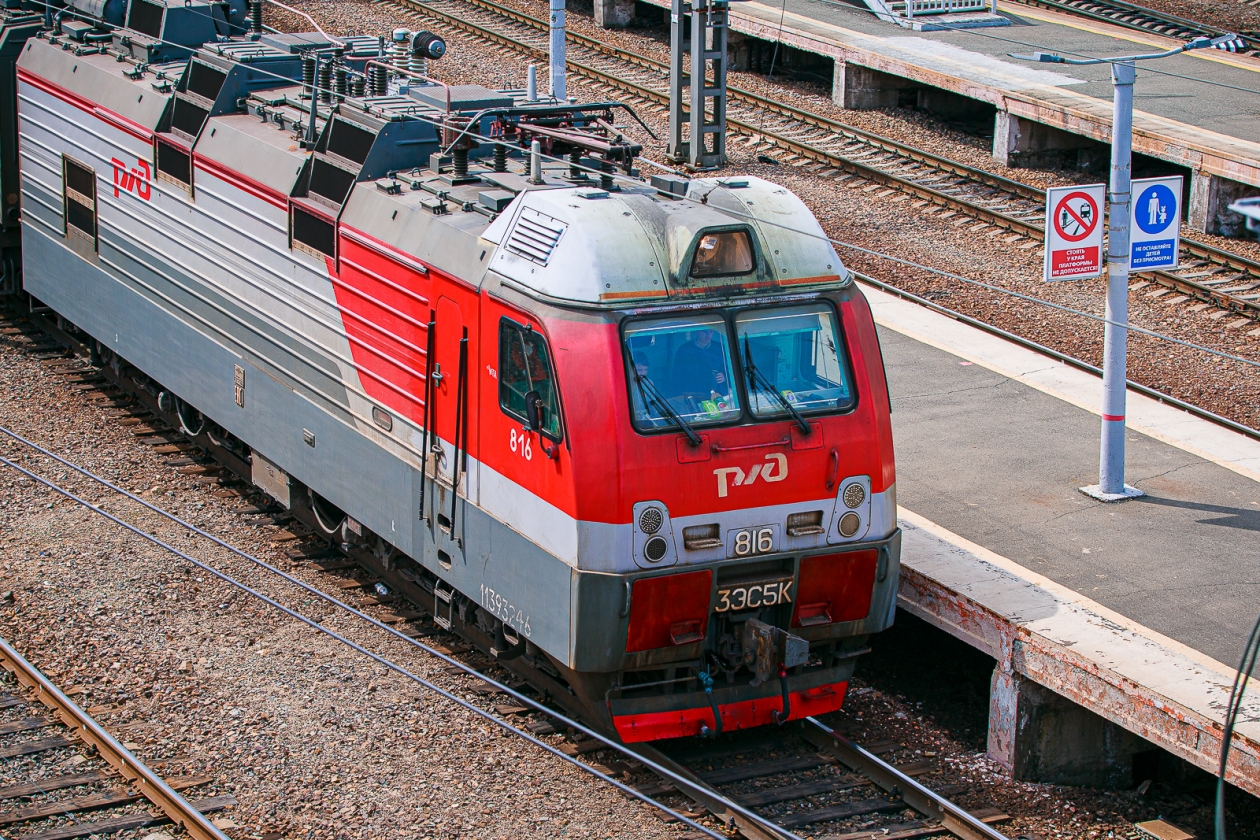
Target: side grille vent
pixel 187 118
pixel 314 234
pixel 535 236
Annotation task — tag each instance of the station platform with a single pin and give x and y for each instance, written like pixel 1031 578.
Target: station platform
pixel 1128 610
pixel 1045 114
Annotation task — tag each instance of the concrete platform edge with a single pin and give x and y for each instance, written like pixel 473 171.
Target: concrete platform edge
pixel 1140 680
pixel 1146 415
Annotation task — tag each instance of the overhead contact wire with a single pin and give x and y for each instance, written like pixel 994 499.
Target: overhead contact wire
pixel 824 237
pixel 528 701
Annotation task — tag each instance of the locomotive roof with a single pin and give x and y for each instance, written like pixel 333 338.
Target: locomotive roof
pixel 565 239
pixel 578 243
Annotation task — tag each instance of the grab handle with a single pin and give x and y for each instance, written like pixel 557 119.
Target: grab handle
pixel 833 470
pixel 717 447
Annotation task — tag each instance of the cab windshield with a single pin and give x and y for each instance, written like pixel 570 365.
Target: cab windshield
pixel 681 368
pixel 793 351
pixel 701 369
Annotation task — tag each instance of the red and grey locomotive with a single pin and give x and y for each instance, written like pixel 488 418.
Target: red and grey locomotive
pixel 630 435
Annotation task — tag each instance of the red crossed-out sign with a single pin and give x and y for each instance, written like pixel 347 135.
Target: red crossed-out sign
pixel 1075 216
pixel 1073 232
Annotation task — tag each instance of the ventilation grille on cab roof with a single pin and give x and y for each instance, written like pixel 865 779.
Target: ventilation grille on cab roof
pixel 535 236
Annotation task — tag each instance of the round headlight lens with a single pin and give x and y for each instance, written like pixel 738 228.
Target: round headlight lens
pixel 650 520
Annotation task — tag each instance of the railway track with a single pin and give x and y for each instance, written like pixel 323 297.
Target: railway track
pixel 1133 16
pixel 77 780
pixel 833 149
pixel 789 782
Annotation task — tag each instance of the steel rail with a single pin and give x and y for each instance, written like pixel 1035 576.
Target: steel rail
pixel 1097 10
pixel 954 818
pixel 149 784
pixel 695 789
pixel 1199 291
pixel 733 808
pixel 922 799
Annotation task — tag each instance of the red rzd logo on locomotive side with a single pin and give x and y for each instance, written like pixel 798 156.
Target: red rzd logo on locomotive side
pixel 133 180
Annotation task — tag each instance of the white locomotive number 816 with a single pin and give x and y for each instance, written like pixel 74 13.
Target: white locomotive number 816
pixel 520 441
pixel 752 541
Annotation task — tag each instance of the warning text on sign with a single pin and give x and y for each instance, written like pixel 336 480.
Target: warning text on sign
pixel 1154 254
pixel 1072 262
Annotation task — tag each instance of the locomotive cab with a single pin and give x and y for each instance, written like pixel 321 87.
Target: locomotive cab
pixel 726 421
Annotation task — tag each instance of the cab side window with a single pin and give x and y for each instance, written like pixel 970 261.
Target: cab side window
pixel 527 385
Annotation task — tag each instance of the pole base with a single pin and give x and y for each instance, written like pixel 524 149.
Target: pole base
pixel 1094 491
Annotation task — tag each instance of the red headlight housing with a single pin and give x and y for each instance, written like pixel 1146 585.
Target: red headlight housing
pixel 835 587
pixel 669 610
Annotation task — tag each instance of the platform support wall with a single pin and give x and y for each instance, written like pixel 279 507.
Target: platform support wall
pixel 614 14
pixel 1018 142
pixel 1040 736
pixel 860 88
pixel 1208 207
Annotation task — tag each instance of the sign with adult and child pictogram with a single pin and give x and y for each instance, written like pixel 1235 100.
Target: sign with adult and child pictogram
pixel 1155 226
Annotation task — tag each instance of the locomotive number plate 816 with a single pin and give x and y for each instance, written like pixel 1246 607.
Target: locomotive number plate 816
pixel 751 596
pixel 750 542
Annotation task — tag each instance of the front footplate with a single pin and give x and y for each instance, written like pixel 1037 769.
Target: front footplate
pixel 739 706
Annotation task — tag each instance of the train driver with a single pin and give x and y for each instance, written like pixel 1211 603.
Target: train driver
pixel 700 366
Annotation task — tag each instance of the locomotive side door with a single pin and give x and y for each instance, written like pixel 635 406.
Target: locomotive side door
pixel 454 400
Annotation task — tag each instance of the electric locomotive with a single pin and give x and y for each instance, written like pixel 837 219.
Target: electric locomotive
pixel 629 435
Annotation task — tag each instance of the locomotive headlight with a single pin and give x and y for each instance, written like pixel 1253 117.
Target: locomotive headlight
pixel 854 495
pixel 849 524
pixel 650 521
pixel 653 535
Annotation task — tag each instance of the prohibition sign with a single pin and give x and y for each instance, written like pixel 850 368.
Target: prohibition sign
pixel 1075 216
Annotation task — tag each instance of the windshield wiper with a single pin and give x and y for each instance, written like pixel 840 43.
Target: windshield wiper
pixel 646 385
pixel 756 376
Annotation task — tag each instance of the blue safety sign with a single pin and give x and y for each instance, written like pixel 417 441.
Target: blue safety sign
pixel 1155 223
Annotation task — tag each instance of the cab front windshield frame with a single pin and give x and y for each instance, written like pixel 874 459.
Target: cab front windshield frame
pixel 695 366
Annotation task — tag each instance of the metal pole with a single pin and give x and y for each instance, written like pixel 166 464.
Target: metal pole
pixel 1111 484
pixel 678 85
pixel 531 84
pixel 557 50
pixel 696 79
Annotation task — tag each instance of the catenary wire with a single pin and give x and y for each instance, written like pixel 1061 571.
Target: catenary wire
pixel 1251 650
pixel 341 605
pixel 1241 679
pixel 841 243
